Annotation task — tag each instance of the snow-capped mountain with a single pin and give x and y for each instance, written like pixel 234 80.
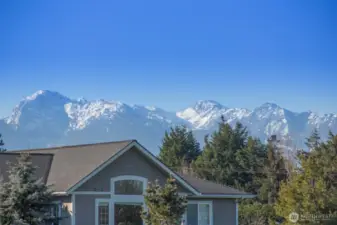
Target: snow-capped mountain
pixel 48 118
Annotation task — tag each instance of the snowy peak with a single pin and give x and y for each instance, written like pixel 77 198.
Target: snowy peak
pixel 207 113
pixel 42 103
pixel 268 110
pixel 204 106
pixel 49 118
pixel 269 106
pixel 46 94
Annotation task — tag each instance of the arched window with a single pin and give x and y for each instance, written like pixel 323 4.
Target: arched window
pixel 128 185
pixel 126 201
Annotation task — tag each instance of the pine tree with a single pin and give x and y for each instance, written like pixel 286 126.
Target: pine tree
pixel 255 213
pixel 314 140
pixel 2 144
pixel 312 188
pixel 164 205
pixel 224 160
pixel 3 194
pixel 26 199
pixel 179 148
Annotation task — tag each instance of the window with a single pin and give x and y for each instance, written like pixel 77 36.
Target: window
pixel 103 213
pixel 128 214
pixel 55 214
pixel 199 213
pixel 127 199
pixel 204 214
pixel 128 187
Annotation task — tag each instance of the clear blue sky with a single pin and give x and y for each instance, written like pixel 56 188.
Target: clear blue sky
pixel 172 53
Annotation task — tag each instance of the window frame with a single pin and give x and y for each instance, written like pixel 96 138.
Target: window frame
pixel 58 205
pixel 198 203
pixel 97 204
pixel 127 198
pixel 120 199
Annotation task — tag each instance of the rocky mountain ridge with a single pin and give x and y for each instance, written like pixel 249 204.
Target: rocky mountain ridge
pixel 49 118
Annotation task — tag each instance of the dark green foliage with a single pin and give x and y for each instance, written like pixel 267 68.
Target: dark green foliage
pixel 255 213
pixel 179 148
pixel 231 157
pixel 312 189
pixel 164 205
pixel 2 144
pixel 276 171
pixel 25 200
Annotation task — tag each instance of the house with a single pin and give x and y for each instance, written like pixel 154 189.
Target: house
pixel 103 184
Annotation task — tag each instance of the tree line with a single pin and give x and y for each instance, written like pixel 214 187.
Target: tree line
pixel 305 188
pixel 304 191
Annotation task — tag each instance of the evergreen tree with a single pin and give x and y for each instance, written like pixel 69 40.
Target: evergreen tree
pixel 312 189
pixel 2 144
pixel 251 161
pixel 3 194
pixel 230 157
pixel 255 213
pixel 314 140
pixel 164 205
pixel 275 169
pixel 26 200
pixel 269 171
pixel 179 148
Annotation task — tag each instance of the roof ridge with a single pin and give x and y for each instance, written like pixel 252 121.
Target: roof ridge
pixel 72 146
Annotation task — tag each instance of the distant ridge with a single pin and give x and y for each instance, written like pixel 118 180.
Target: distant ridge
pixel 48 118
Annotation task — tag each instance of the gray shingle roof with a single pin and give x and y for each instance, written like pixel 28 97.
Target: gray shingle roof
pixel 72 163
pixel 42 162
pixel 210 188
pixel 63 167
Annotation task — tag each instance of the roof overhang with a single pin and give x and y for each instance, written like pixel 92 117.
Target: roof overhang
pixel 223 196
pixel 121 152
pixel 60 193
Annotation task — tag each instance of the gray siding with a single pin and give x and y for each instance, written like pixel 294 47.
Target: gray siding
pixel 224 211
pixel 135 163
pixel 130 163
pixel 85 208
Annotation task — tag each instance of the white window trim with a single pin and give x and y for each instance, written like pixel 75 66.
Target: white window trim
pixel 136 199
pixel 97 202
pixel 59 206
pixel 236 212
pixel 127 177
pixel 210 203
pixel 73 213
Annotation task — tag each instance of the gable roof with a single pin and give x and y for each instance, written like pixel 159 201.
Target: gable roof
pixel 73 163
pixel 144 151
pixel 71 166
pixel 42 162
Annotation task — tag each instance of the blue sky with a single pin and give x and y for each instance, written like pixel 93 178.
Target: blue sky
pixel 172 53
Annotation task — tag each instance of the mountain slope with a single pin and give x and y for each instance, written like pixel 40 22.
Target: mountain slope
pixel 48 118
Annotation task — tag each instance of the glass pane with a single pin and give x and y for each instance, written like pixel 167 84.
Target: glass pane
pixel 204 214
pixel 103 213
pixel 128 187
pixel 192 214
pixel 128 214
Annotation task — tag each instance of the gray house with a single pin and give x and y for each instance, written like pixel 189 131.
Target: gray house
pixel 103 184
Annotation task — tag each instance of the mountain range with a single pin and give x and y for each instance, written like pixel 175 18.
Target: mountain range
pixel 49 118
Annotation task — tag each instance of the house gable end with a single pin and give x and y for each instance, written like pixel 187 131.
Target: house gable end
pixel 132 162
